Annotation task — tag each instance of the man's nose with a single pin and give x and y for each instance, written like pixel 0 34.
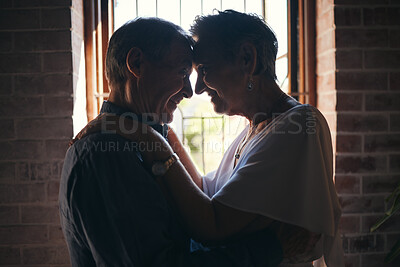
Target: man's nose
pixel 187 88
pixel 200 86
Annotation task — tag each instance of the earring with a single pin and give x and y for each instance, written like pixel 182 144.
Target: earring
pixel 250 85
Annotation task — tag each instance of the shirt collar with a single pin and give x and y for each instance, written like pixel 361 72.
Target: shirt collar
pixel 109 107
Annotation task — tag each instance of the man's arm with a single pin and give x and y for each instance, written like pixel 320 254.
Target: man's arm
pixel 120 211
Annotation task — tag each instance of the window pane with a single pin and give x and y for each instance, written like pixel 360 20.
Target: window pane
pixel 276 17
pixel 254 6
pixel 124 10
pixel 147 8
pixel 190 9
pixel 210 5
pixel 169 10
pixel 237 5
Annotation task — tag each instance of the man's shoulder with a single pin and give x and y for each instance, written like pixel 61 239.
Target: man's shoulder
pixel 104 143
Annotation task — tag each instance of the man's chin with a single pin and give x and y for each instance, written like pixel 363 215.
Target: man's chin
pixel 167 117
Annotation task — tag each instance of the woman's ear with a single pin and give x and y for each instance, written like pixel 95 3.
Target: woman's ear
pixel 248 57
pixel 134 61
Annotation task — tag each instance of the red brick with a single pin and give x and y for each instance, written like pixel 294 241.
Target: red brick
pixel 56 234
pixel 53 190
pixel 373 260
pixel 380 59
pixel 362 123
pixel 21 150
pixel 58 106
pixel 46 255
pixel 382 16
pixel 394 163
pixel 21 106
pixel 392 239
pixel 48 84
pixel 348 143
pixel 42 41
pixel 349 224
pixel 44 171
pixel 326 82
pixel 22 193
pixel 347 16
pixel 391 225
pixel 383 102
pixel 394 81
pixel 42 3
pixel 7 129
pixel 349 102
pixel 380 183
pixel 361 81
pixel 366 243
pixel 10 255
pixel 57 62
pixel 325 22
pixel 7 171
pixel 19 19
pixel 326 63
pixel 395 122
pixel 394 38
pixel 20 63
pixel 382 143
pixel 44 128
pixel 6 41
pixel 346 184
pixel 327 101
pixel 56 149
pixel 351 260
pixel 325 42
pixel 23 171
pixel 362 204
pixel 6 87
pixel 353 164
pixel 29 234
pixel 39 214
pixel 347 38
pixel 9 215
pixel 349 59
pixel 56 18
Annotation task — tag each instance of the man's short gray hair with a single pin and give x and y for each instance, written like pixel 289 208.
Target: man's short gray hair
pixel 151 35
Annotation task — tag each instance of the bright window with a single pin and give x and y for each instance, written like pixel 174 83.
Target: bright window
pixel 205 134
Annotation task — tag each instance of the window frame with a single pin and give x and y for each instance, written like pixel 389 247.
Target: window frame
pixel 99 25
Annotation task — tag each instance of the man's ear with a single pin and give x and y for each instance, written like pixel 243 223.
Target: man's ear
pixel 134 61
pixel 248 57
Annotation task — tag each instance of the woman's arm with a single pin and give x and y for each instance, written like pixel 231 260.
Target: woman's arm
pixel 184 157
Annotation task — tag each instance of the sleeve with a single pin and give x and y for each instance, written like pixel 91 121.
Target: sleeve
pixel 121 211
pixel 209 183
pixel 286 174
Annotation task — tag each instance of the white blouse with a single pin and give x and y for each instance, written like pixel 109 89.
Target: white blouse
pixel 285 173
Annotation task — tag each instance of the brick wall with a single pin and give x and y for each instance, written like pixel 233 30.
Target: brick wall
pixel 36 104
pixel 358 68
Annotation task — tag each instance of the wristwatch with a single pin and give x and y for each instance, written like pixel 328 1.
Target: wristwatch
pixel 159 168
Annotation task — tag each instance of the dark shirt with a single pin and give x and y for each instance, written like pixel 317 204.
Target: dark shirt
pixel 113 213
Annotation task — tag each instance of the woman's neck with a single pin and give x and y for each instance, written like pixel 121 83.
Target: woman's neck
pixel 265 101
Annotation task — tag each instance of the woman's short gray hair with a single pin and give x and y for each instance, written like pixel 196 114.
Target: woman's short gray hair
pixel 228 29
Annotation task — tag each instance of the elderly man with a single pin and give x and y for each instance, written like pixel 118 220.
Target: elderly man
pixel 113 212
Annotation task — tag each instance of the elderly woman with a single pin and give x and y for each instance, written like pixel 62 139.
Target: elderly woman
pixel 278 172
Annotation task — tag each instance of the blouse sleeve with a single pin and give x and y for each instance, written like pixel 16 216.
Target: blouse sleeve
pixel 286 174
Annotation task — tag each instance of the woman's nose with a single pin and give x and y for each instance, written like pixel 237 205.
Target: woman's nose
pixel 187 88
pixel 200 85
